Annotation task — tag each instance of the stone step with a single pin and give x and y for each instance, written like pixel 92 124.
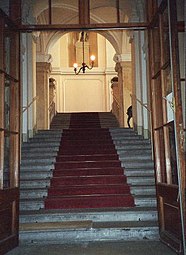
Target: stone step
pixel 136 157
pixel 143 190
pixel 131 142
pixel 41 145
pixel 45 139
pixel 138 164
pixel 140 180
pixel 36 183
pixel 38 202
pixel 130 149
pixel 41 150
pixel 33 193
pixel 38 161
pixel 127 137
pixel 121 130
pixel 139 173
pixel 142 201
pixel 48 131
pixel 31 204
pixel 48 135
pixel 139 189
pixel 96 215
pixel 86 231
pixel 29 175
pixel 59 127
pixel 42 166
pixel 37 156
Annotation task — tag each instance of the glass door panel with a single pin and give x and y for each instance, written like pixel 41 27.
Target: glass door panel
pixel 166 110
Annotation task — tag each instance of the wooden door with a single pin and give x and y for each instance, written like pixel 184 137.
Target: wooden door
pixel 9 136
pixel 167 123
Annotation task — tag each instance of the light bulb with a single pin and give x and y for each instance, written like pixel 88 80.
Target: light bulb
pixel 75 65
pixel 92 58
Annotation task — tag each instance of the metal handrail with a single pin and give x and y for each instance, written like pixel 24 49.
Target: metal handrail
pixel 33 100
pixel 139 101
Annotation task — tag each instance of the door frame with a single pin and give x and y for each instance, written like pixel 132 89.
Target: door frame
pixel 9 130
pixel 170 196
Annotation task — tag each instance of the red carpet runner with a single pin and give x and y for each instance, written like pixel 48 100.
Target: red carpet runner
pixel 87 171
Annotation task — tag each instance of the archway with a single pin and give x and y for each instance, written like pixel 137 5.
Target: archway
pixel 84 92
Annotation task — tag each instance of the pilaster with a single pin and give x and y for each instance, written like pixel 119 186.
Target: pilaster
pixel 124 70
pixel 43 70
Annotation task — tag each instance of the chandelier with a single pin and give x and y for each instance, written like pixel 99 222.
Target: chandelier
pixel 84 65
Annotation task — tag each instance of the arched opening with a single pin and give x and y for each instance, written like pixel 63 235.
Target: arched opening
pixel 89 92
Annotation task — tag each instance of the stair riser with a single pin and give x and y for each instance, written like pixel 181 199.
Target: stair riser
pixel 86 136
pixel 35 183
pixel 88 190
pixel 37 156
pixel 45 139
pixel 93 216
pixel 78 142
pixel 143 191
pixel 133 157
pixel 40 149
pixel 58 181
pixel 87 202
pixel 87 158
pixel 86 133
pixel 141 181
pixel 37 167
pixel 120 138
pixel 75 165
pixel 33 194
pixel 81 236
pixel 30 176
pixel 134 191
pixel 130 149
pixel 85 151
pixel 30 205
pixel 87 172
pixel 145 202
pixel 35 161
pixel 41 145
pixel 149 172
pixel 137 165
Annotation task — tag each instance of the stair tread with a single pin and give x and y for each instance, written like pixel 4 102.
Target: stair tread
pixel 88 210
pixel 55 225
pixel 85 224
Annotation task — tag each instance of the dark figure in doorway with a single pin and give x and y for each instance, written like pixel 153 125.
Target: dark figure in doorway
pixel 129 113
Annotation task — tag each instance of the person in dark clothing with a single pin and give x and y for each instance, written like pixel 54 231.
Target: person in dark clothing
pixel 129 113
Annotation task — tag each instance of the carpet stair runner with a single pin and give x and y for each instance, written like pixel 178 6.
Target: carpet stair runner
pixel 87 172
pixel 39 225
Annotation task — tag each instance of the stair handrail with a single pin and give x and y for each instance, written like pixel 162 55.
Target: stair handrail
pixel 25 108
pixel 138 100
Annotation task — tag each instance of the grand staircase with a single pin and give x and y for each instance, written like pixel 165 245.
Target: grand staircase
pixel 71 192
